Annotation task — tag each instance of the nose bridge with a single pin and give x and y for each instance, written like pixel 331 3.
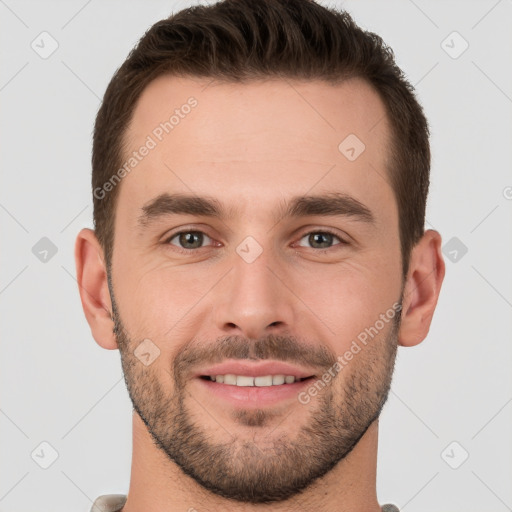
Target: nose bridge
pixel 253 301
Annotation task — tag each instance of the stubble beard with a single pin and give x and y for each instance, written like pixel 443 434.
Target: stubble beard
pixel 243 468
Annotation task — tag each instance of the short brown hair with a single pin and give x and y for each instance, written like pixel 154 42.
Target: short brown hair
pixel 243 40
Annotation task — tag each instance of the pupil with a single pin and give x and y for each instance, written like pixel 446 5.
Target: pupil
pixel 192 238
pixel 322 239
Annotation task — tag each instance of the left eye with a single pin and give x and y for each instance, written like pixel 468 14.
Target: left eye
pixel 189 239
pixel 320 239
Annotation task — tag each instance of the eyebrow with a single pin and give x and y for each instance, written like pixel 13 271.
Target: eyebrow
pixel 330 204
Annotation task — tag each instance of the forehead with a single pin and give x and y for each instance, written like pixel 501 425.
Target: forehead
pixel 255 142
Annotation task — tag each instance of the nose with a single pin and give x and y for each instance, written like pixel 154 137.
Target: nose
pixel 253 299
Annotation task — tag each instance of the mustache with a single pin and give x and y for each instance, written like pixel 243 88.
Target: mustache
pixel 275 347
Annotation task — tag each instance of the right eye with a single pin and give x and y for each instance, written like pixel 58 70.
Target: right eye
pixel 188 240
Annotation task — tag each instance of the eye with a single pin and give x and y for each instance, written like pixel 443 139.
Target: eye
pixel 321 239
pixel 189 239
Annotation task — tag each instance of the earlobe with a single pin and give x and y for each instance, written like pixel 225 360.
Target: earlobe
pixel 422 287
pixel 91 275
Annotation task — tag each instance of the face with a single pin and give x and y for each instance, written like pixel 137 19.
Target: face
pixel 250 248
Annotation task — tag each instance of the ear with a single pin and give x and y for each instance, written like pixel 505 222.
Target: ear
pixel 422 287
pixel 91 274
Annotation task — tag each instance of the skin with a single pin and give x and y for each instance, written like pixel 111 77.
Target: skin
pixel 253 147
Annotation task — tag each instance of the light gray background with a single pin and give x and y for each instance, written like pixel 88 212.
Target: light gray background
pixel 59 387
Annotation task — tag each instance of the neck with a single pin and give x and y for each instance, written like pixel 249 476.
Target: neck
pixel 157 483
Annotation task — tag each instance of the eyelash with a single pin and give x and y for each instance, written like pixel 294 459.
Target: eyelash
pixel 189 251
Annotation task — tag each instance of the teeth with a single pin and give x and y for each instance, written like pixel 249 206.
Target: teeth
pixel 241 380
pixel 277 380
pixel 229 379
pixel 262 381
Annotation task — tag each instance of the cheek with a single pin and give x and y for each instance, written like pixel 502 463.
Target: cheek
pixel 159 300
pixel 347 299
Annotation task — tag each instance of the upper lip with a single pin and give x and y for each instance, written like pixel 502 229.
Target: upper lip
pixel 259 369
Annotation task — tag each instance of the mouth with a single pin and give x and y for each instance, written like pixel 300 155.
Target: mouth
pixel 254 384
pixel 231 379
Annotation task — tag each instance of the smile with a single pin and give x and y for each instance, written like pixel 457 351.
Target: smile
pixel 249 381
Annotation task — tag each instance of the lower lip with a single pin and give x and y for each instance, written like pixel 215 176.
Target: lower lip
pixel 255 396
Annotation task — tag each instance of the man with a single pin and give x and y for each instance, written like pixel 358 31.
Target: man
pixel 260 174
